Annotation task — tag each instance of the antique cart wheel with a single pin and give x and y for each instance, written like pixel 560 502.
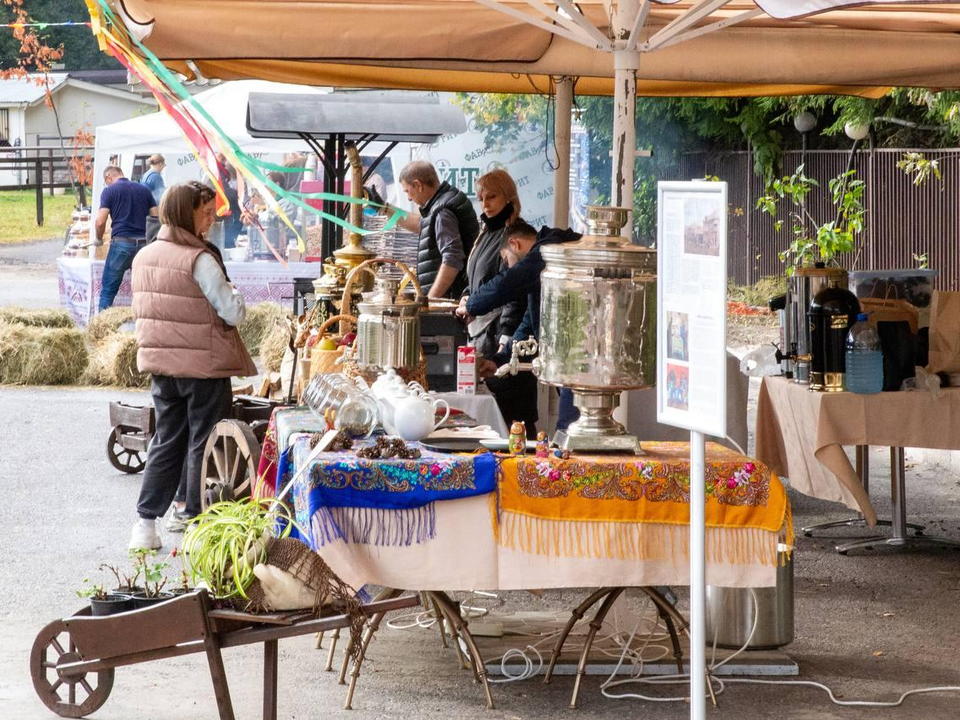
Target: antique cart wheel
pixel 69 696
pixel 122 458
pixel 230 461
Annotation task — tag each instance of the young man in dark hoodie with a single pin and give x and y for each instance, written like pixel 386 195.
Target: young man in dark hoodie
pixel 522 245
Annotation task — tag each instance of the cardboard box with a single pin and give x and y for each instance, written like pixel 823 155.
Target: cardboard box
pixel 466 370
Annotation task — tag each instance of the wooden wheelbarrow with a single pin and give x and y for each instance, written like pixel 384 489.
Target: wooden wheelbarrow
pixel 132 428
pixel 72 660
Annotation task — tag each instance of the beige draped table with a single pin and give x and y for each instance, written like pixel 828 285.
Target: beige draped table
pixel 465 555
pixel 606 522
pixel 801 436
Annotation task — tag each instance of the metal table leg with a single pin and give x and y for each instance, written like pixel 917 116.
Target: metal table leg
pixel 899 525
pixel 576 615
pixel 451 611
pixel 863 472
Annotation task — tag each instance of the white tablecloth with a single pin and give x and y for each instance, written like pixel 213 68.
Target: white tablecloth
pixel 81 279
pixel 465 555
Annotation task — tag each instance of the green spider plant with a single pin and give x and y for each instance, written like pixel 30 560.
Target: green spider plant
pixel 227 540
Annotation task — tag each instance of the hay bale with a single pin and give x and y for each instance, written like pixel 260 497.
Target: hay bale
pixel 260 318
pixel 36 318
pixel 31 355
pixel 274 345
pixel 97 371
pixel 114 362
pixel 104 324
pixel 124 369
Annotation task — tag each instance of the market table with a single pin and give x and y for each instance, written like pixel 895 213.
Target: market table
pixel 80 281
pixel 445 522
pixel 801 435
pixel 587 521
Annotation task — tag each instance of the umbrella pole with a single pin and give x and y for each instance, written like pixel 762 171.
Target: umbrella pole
pixel 625 63
pixel 561 139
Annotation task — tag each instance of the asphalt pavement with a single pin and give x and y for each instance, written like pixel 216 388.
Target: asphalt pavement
pixel 871 625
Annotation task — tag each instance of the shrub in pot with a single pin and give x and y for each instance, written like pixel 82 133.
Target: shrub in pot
pixel 104 603
pixel 228 539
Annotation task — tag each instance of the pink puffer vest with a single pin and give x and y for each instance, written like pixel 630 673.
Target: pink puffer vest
pixel 178 331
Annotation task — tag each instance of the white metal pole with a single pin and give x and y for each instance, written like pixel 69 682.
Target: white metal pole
pixel 698 632
pixel 561 172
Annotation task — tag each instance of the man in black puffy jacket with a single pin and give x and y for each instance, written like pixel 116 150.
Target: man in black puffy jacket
pixel 448 225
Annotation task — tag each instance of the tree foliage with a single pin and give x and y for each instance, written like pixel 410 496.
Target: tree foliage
pixel 672 126
pixel 77 44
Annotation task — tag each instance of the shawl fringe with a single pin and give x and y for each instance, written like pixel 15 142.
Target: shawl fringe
pixel 639 541
pixel 374 526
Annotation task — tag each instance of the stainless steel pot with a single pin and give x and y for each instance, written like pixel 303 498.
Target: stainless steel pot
pixel 598 325
pixel 731 612
pixel 802 287
pixel 388 328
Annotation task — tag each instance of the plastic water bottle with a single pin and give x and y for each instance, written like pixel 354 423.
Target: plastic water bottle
pixel 864 360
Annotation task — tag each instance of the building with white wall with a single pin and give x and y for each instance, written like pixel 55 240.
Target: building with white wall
pixel 26 119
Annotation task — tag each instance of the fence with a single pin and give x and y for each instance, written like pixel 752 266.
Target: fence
pixel 38 168
pixel 902 220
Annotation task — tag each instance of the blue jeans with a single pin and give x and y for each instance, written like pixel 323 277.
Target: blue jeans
pixel 119 259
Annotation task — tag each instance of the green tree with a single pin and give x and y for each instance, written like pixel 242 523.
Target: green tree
pixel 672 126
pixel 80 51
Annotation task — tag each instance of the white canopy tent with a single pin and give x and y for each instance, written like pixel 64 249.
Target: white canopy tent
pixel 158 133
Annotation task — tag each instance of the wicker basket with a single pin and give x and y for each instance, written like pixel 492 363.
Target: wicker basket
pixel 327 361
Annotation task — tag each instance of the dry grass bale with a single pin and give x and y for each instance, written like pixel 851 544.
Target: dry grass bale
pixel 114 362
pixel 36 318
pixel 31 355
pixel 274 344
pixel 97 371
pixel 104 324
pixel 124 369
pixel 260 318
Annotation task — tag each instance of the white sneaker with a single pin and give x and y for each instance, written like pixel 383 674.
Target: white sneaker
pixel 145 535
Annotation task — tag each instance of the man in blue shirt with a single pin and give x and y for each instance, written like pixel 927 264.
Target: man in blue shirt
pixel 127 204
pixel 152 177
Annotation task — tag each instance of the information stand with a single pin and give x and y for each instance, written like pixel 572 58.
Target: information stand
pixel 691 360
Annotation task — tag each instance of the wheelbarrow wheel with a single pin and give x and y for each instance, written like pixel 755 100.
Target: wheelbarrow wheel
pixel 122 458
pixel 230 461
pixel 68 695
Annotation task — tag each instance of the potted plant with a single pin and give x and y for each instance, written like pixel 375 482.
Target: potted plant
pixel 104 603
pixel 153 579
pixel 227 540
pixel 814 241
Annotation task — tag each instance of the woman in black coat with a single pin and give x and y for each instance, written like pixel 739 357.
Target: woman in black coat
pixel 500 205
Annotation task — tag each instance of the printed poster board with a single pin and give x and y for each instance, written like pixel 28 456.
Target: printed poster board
pixel 692 305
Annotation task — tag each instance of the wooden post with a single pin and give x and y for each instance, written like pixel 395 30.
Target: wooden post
pixel 38 165
pixel 53 177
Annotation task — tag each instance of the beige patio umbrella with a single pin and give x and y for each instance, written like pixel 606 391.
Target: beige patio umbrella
pixel 702 48
pixel 698 48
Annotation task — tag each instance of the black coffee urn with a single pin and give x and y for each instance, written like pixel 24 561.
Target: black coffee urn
pixel 832 313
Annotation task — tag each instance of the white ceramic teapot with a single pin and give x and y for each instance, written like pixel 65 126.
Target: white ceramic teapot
pixel 413 415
